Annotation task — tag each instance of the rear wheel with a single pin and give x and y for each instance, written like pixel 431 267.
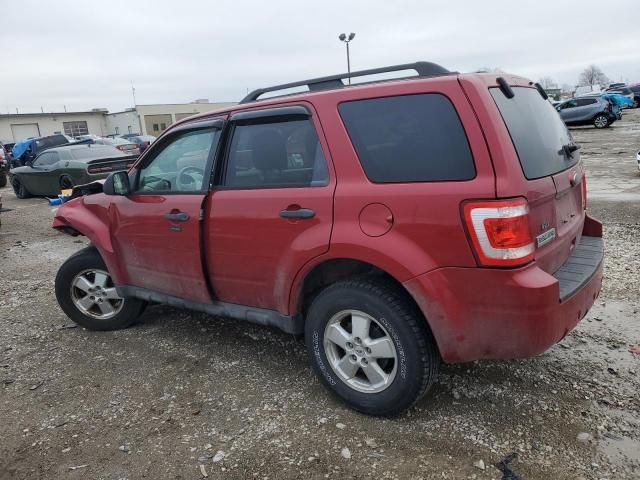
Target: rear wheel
pixel 86 293
pixel 370 346
pixel 601 121
pixel 3 180
pixel 19 189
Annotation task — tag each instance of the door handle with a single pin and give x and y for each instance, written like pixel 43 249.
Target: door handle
pixel 298 213
pixel 177 216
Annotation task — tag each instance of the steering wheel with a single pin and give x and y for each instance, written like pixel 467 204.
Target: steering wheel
pixel 189 178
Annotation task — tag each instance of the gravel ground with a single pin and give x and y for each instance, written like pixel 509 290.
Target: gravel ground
pixel 184 395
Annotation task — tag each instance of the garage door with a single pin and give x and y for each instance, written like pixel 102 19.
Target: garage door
pixel 22 131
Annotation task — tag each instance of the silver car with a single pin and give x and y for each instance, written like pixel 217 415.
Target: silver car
pixel 594 111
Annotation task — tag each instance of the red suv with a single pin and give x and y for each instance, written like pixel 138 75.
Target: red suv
pixel 393 223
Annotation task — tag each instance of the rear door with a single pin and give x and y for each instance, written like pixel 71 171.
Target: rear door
pixel 156 229
pixel 551 174
pixel 272 210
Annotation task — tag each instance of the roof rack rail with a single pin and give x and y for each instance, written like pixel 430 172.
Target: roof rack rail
pixel 423 69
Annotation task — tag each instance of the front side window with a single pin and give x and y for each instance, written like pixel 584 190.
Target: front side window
pixel 181 166
pixel 276 154
pixel 409 138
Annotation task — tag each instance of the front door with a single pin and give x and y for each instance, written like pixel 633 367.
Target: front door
pixel 41 177
pixel 157 228
pixel 272 208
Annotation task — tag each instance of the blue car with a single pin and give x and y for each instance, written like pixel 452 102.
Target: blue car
pixel 619 99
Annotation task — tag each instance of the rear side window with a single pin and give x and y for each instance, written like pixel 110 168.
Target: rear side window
pixel 586 101
pixel 276 154
pixel 537 131
pixel 409 138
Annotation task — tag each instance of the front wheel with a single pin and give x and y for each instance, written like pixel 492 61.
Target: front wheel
pixel 19 189
pixel 370 345
pixel 86 293
pixel 601 121
pixel 3 180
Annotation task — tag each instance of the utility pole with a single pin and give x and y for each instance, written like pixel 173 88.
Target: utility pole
pixel 343 37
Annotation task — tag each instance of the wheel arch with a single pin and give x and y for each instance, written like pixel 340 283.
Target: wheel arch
pixel 74 218
pixel 330 270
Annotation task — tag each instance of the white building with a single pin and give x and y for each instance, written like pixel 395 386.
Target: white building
pixel 18 126
pixel 154 119
pixel 143 119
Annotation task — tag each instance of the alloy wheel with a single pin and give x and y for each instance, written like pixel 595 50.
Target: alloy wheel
pixel 94 294
pixel 360 351
pixel 601 121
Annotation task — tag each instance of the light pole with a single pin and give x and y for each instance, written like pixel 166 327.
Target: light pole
pixel 343 37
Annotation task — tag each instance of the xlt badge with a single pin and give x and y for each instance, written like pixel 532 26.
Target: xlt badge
pixel 545 237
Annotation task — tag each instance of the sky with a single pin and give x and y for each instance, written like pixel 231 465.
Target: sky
pixel 86 54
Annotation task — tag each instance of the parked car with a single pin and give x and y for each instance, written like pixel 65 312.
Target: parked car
pixel 63 167
pixel 636 95
pixel 620 100
pixel 26 150
pixel 121 144
pixel 616 98
pixel 143 141
pixel 595 111
pixel 4 166
pixel 626 91
pixel 128 136
pixel 394 224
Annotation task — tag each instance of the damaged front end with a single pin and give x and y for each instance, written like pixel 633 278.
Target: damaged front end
pixel 86 213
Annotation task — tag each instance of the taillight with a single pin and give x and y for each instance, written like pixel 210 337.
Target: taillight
pixel 499 231
pixel 100 169
pixel 120 147
pixel 584 191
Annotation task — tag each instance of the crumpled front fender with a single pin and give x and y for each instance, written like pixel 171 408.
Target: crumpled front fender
pixel 76 215
pixel 89 216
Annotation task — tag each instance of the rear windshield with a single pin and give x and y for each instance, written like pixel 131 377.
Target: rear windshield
pixel 537 132
pixel 92 153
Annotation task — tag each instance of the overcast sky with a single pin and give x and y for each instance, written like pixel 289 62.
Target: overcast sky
pixel 84 54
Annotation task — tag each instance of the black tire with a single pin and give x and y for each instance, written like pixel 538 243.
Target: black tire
pixel 601 121
pixel 19 189
pixel 417 355
pixel 3 180
pixel 88 259
pixel 66 182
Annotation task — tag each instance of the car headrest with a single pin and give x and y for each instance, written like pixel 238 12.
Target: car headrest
pixel 269 151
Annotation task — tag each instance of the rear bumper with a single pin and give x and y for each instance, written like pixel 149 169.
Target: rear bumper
pixel 479 313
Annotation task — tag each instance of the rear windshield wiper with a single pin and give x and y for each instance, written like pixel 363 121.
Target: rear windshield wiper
pixel 568 149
